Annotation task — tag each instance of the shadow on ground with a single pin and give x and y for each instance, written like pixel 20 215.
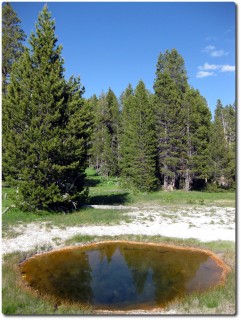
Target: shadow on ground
pixel 111 199
pixel 92 182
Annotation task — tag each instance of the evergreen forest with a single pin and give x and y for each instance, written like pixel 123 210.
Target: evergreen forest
pixel 160 140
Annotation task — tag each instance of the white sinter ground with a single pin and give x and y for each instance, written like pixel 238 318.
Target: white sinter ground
pixel 202 223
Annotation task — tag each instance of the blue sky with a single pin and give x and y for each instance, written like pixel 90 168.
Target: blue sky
pixel 113 44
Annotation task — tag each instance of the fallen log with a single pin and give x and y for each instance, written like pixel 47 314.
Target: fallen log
pixel 8 208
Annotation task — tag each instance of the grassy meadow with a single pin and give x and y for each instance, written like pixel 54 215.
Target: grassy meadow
pixel 109 191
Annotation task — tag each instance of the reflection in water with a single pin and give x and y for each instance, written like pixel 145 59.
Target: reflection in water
pixel 121 275
pixel 200 281
pixel 66 276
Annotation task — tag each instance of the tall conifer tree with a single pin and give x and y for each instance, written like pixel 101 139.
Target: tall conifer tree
pixel 47 126
pixel 222 145
pixel 138 143
pixel 110 153
pixel 12 38
pixel 98 132
pixel 104 151
pixel 126 142
pixel 195 160
pixel 170 86
pixel 231 141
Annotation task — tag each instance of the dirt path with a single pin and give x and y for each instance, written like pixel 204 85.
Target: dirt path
pixel 202 223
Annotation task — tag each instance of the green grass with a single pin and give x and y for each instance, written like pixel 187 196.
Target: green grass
pixel 226 247
pixel 108 191
pixel 17 299
pixel 104 190
pixel 86 216
pixel 180 197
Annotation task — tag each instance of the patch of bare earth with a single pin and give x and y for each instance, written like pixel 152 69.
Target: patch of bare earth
pixel 202 223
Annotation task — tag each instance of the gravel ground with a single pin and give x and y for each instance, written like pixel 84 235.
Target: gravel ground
pixel 202 223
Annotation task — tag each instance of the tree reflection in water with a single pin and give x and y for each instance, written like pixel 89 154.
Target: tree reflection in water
pixel 117 275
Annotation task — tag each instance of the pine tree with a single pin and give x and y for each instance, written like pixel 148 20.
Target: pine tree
pixel 222 145
pixel 12 38
pixel 16 117
pixel 91 105
pixel 231 121
pixel 110 152
pixel 97 134
pixel 126 135
pixel 125 95
pixel 47 126
pixel 138 142
pixel 104 151
pixel 218 150
pixel 124 117
pixel 231 141
pixel 172 63
pixel 195 160
pixel 170 86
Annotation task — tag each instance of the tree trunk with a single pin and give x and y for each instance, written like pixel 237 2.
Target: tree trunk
pixel 189 154
pixel 165 186
pixel 187 181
